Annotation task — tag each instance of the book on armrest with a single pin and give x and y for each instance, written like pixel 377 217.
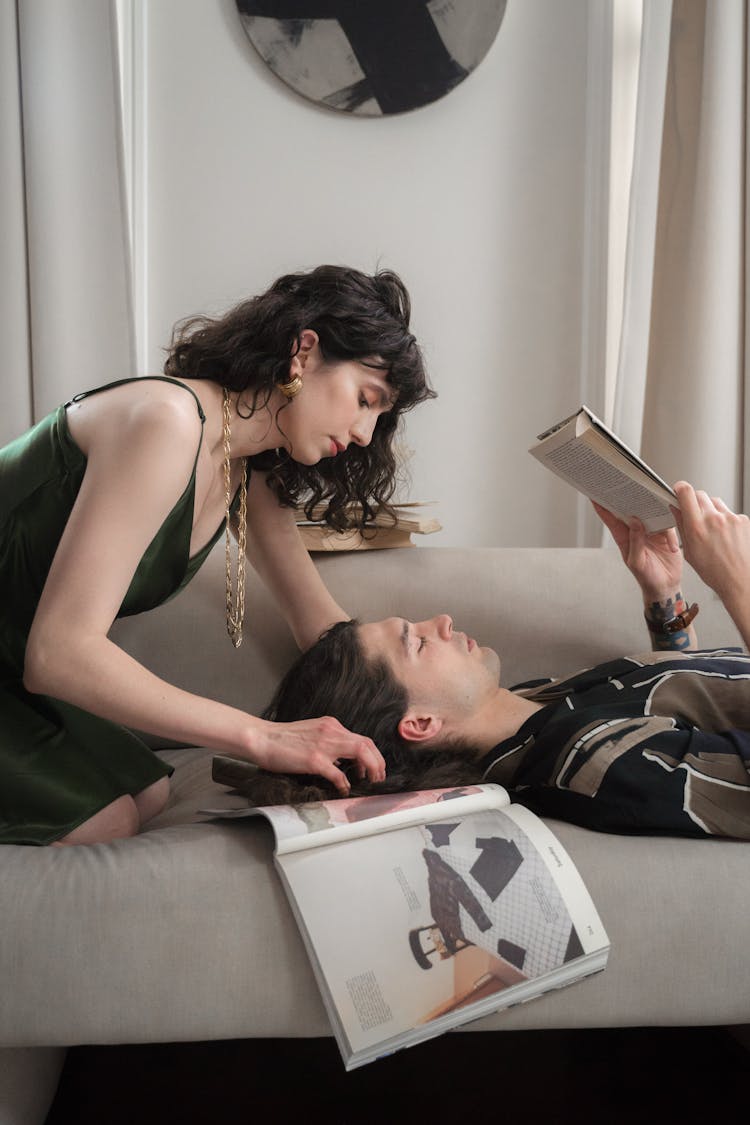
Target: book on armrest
pixel 422 911
pixel 319 537
pixel 585 453
pixel 384 531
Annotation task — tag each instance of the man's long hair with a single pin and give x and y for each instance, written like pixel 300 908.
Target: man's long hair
pixel 336 678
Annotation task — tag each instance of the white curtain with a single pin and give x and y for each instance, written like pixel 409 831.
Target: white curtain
pixel 66 312
pixel 16 411
pixel 680 396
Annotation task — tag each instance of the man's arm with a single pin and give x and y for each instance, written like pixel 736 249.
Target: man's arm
pixel 716 542
pixel 655 561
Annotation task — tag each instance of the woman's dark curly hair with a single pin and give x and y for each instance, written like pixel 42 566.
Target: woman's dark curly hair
pixel 335 677
pixel 357 317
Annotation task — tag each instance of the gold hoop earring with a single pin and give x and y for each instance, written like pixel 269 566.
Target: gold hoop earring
pixel 291 389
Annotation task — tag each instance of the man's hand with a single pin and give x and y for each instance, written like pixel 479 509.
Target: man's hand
pixel 716 542
pixel 654 559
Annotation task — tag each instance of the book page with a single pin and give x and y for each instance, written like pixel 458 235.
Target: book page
pixel 586 469
pixel 313 825
pixel 420 929
pixel 585 454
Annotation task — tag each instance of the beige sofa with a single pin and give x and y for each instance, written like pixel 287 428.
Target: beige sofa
pixel 184 932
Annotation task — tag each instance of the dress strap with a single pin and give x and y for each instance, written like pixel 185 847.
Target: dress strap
pixel 138 379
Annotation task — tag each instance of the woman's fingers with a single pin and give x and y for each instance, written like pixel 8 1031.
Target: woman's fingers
pixel 370 762
pixel 337 744
pixel 319 746
pixel 337 778
pixel 355 748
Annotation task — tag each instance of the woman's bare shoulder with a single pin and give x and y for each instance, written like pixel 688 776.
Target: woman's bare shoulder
pixel 141 410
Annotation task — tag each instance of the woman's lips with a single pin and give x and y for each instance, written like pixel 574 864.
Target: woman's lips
pixel 336 447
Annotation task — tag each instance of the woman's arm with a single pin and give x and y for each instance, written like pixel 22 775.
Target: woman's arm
pixel 276 551
pixel 716 542
pixel 139 461
pixel 655 561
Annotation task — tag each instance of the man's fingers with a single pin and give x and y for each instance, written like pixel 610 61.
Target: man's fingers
pixel 608 519
pixel 617 529
pixel 696 504
pixel 637 540
pixel 689 512
pixel 687 497
pixel 672 541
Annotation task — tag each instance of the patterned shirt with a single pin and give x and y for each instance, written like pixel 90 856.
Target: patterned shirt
pixel 656 743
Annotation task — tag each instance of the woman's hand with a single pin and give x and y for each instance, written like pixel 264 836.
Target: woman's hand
pixel 655 559
pixel 316 746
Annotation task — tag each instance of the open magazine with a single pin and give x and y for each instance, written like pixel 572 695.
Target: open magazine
pixel 588 455
pixel 422 911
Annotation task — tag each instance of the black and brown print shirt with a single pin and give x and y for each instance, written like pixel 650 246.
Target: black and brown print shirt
pixel 656 743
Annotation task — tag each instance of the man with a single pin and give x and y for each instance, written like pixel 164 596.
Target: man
pixel 655 743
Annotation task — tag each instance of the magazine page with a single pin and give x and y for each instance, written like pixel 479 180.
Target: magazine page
pixel 313 825
pixel 418 930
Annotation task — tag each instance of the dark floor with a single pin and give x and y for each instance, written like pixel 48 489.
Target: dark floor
pixel 633 1077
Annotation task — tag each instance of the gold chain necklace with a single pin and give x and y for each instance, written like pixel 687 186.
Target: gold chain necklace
pixel 236 611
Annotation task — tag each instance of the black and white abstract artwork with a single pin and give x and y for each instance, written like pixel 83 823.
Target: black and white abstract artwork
pixel 372 57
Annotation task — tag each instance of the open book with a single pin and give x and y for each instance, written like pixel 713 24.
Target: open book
pixel 421 911
pixel 319 537
pixel 380 533
pixel 586 454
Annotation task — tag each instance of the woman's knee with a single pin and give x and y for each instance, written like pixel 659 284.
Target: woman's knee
pixel 152 800
pixel 116 821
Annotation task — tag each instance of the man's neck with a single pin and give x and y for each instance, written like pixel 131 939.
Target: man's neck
pixel 501 717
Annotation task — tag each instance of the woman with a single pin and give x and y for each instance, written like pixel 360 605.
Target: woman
pixel 110 504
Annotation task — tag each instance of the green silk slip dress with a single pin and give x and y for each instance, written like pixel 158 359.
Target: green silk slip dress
pixel 59 765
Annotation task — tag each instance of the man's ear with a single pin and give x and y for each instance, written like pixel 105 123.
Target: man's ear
pixel 419 728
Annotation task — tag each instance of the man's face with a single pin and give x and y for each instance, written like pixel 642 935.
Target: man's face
pixel 443 671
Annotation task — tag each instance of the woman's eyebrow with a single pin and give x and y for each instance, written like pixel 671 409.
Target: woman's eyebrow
pixel 386 398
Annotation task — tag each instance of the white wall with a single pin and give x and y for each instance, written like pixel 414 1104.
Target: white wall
pixel 477 201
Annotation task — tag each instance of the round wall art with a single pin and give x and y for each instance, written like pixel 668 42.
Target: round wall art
pixel 372 57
